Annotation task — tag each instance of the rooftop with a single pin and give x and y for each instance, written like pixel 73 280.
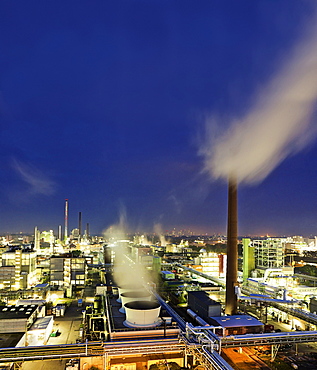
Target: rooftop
pixel 17 312
pixel 235 321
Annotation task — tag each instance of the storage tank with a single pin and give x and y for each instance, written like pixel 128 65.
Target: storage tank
pixel 128 288
pixel 142 314
pixel 134 296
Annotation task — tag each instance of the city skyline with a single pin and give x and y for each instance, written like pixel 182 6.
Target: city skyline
pixel 106 105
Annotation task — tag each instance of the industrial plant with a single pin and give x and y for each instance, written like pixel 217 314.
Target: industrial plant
pixel 118 301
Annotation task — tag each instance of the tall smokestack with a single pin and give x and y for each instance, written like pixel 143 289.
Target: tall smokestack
pixel 36 239
pixel 79 226
pixel 87 230
pixel 232 249
pixel 60 234
pixel 66 220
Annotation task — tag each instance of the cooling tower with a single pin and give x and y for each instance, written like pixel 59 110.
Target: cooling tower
pixel 142 314
pixel 128 288
pixel 134 296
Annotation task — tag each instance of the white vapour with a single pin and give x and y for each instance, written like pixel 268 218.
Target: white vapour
pixel 159 231
pixel 126 270
pixel 279 124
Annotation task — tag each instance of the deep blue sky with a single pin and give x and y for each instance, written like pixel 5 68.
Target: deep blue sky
pixel 101 102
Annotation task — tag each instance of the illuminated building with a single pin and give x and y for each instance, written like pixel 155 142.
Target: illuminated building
pixel 268 253
pixel 18 269
pixel 213 264
pixel 68 271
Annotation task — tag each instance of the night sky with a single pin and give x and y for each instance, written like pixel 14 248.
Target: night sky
pixel 105 103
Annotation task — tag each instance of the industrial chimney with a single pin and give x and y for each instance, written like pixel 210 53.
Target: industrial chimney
pixel 60 234
pixel 66 220
pixel 232 249
pixel 87 230
pixel 79 226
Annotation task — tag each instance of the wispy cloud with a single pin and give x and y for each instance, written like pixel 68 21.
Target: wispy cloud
pixel 37 182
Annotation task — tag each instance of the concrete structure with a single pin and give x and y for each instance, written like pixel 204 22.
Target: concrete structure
pixel 129 288
pixel 66 221
pixel 232 249
pixel 142 314
pixel 134 296
pixel 36 239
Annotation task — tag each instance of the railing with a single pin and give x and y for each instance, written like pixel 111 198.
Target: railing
pixel 269 339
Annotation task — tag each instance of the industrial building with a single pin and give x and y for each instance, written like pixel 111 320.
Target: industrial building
pixel 18 269
pixel 236 324
pixel 39 332
pixel 200 303
pixel 18 318
pixel 268 253
pixel 68 271
pixel 213 264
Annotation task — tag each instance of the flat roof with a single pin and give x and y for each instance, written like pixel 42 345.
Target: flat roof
pixel 17 311
pixel 235 321
pixel 41 323
pixel 44 285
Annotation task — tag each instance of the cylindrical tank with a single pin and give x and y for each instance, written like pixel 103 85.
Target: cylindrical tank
pixel 134 296
pixel 97 303
pixel 128 288
pixel 142 314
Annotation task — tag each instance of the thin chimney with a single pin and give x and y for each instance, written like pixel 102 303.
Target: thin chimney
pixel 87 230
pixel 60 232
pixel 66 220
pixel 232 250
pixel 79 225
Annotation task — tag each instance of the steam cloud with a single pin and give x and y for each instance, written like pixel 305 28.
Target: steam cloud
pixel 126 271
pixel 278 125
pixel 158 230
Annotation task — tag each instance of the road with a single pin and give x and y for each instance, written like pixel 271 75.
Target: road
pixel 68 325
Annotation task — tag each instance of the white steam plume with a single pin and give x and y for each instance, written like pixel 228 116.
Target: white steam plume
pixel 126 271
pixel 278 125
pixel 159 231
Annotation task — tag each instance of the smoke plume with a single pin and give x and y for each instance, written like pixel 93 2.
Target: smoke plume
pixel 279 123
